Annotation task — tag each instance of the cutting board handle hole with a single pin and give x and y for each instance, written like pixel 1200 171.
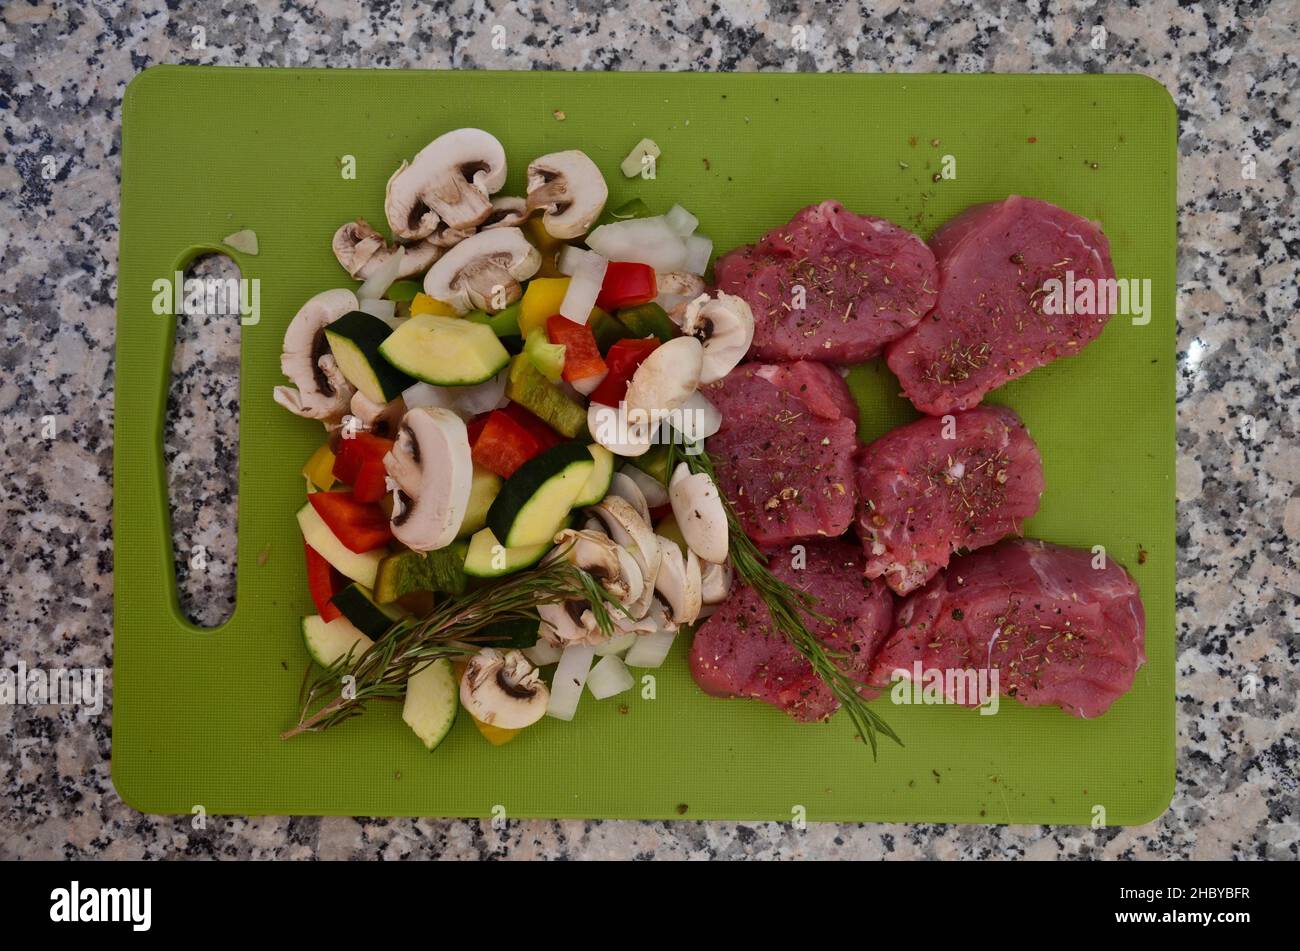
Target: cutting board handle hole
pixel 201 439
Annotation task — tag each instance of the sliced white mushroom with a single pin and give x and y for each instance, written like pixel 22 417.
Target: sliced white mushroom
pixel 483 271
pixel 676 290
pixel 570 188
pixel 679 582
pixel 566 623
pixel 653 491
pixel 430 472
pixel 321 391
pixel 379 419
pixel 503 689
pixel 621 432
pixel 362 252
pixel 450 180
pixel 507 212
pixel 699 418
pixel 700 516
pixel 715 585
pixel 626 488
pixel 724 324
pixel 597 554
pixel 626 527
pixel 666 378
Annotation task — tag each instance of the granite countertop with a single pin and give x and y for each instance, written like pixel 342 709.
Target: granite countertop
pixel 1233 71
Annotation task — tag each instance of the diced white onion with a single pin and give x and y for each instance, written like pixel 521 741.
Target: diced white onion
pixel 609 678
pixel 650 650
pixel 464 401
pixel 570 678
pixel 633 165
pixel 580 298
pixel 377 284
pixel 616 645
pixel 385 310
pixel 698 251
pixel 653 490
pixel 643 240
pixel 543 653
pixel 681 221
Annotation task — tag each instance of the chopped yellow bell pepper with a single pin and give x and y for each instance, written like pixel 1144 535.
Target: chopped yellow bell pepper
pixel 424 304
pixel 497 736
pixel 548 246
pixel 541 300
pixel 669 529
pixel 319 469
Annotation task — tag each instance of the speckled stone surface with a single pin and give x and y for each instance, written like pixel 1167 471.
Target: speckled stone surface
pixel 1234 71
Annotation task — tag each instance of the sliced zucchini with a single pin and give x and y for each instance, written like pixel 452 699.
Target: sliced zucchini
pixel 488 558
pixel 527 387
pixel 482 490
pixel 361 567
pixel 354 340
pixel 535 502
pixel 409 571
pixel 327 642
pixel 515 633
pixel 445 351
pixel 654 463
pixel 358 605
pixel 601 476
pixel 432 698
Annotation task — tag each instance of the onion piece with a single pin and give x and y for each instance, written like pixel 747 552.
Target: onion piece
pixel 587 385
pixel 653 490
pixel 616 644
pixel 377 284
pixel 698 251
pixel 588 274
pixel 543 653
pixel 609 678
pixel 650 650
pixel 464 401
pixel 385 310
pixel 681 221
pixel 640 240
pixel 570 677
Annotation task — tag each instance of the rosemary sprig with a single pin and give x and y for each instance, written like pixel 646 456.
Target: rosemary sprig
pixel 453 628
pixel 790 608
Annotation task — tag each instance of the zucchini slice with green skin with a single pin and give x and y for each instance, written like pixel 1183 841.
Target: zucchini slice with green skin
pixel 432 699
pixel 355 339
pixel 482 490
pixel 488 558
pixel 361 567
pixel 602 475
pixel 406 572
pixel 535 502
pixel 358 606
pixel 445 351
pixel 327 642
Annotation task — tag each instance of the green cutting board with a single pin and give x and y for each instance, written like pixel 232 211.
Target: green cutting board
pixel 197 713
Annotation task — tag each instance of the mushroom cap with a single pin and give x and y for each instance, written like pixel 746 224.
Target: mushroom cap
pixel 724 324
pixel 700 516
pixel 321 390
pixel 628 529
pixel 361 251
pixel 504 689
pixel 571 189
pixel 430 471
pixel 667 377
pixel 508 211
pixel 450 180
pixel 611 427
pixel 679 582
pixel 469 275
pixel 379 419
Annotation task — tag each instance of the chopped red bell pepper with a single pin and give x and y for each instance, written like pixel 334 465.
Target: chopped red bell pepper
pixel 626 284
pixel 355 452
pixel 622 359
pixel 581 355
pixel 475 426
pixel 321 582
pixel 371 483
pixel 360 526
pixel 504 445
pixel 546 437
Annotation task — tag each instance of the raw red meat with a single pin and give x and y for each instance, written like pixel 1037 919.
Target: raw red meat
pixel 1056 630
pixel 737 652
pixel 989 325
pixel 784 454
pixel 866 282
pixel 922 497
